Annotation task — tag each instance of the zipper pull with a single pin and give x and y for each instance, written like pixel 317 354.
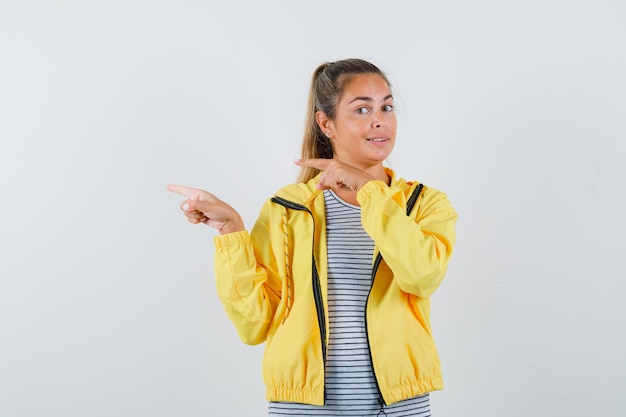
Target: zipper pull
pixel 381 412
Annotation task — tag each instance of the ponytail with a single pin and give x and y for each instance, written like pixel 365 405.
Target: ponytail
pixel 314 143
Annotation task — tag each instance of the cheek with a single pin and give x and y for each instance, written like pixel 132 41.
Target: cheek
pixel 353 130
pixel 393 124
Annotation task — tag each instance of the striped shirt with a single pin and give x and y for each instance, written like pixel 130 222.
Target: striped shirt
pixel 351 388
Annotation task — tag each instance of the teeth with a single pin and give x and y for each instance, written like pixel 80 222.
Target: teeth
pixel 378 140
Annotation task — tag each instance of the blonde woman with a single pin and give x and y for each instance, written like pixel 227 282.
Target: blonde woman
pixel 336 274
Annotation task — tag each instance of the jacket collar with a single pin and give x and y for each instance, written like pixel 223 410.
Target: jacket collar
pixel 307 193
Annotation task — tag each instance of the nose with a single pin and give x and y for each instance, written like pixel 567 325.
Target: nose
pixel 377 119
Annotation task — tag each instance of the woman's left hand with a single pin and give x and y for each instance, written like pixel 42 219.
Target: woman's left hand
pixel 337 175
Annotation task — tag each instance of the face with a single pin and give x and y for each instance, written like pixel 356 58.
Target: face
pixel 363 131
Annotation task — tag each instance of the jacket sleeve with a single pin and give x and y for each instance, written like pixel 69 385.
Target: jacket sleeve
pixel 246 278
pixel 416 248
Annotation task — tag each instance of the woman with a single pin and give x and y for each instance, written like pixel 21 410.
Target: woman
pixel 337 272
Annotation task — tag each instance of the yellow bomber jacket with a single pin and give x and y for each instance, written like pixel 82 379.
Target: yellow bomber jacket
pixel 273 285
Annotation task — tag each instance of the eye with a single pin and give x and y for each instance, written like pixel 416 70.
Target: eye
pixel 387 108
pixel 362 110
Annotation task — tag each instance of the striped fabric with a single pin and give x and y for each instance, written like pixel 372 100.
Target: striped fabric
pixel 351 388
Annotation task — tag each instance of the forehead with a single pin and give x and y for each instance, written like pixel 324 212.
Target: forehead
pixel 371 86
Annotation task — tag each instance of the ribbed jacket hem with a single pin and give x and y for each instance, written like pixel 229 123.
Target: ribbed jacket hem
pixel 297 395
pixel 402 392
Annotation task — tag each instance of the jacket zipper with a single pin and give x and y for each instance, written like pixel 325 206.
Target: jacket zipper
pixel 381 400
pixel 413 199
pixel 317 288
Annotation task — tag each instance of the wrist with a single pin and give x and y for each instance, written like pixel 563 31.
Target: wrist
pixel 232 226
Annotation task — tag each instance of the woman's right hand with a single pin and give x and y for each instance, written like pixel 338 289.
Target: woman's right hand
pixel 204 207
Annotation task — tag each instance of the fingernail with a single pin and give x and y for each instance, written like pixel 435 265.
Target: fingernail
pixel 295 161
pixel 186 206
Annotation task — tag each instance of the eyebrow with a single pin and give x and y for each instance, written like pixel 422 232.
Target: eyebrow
pixel 369 98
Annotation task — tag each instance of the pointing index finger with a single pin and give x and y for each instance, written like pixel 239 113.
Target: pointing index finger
pixel 192 193
pixel 319 163
pixel 184 191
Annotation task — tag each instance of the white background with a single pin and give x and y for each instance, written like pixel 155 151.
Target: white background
pixel 517 110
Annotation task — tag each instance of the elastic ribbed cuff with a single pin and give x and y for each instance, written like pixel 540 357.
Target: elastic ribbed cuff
pixel 368 189
pixel 223 242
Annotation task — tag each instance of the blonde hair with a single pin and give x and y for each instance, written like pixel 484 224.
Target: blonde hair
pixel 327 85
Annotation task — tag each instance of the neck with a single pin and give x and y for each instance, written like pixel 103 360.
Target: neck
pixel 380 174
pixel 376 170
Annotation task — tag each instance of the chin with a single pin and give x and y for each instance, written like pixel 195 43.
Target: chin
pixel 381 157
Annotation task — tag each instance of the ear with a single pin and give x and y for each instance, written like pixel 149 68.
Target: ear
pixel 325 124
